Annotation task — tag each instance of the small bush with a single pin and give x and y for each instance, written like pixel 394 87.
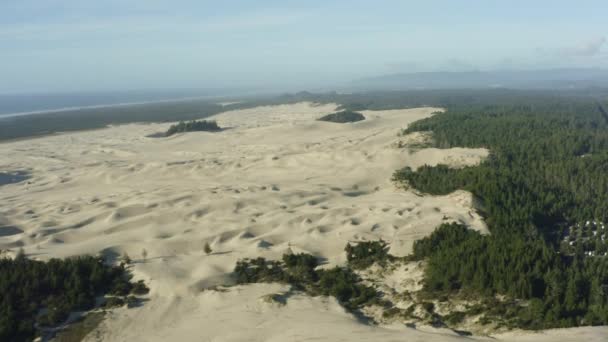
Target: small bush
pixel 409 312
pixel 121 287
pixel 454 318
pixel 258 270
pixel 394 311
pixel 112 302
pixel 207 248
pixel 428 306
pixel 140 288
pixel 485 320
pixel 365 254
pixel 301 268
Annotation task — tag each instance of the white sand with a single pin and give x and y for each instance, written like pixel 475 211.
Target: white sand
pixel 275 178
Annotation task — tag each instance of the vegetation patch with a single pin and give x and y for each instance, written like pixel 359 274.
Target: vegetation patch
pixel 193 126
pixel 445 300
pixel 39 295
pixel 364 254
pixel 545 194
pixel 300 270
pixel 343 117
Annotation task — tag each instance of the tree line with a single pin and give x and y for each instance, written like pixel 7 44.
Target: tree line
pixel 547 169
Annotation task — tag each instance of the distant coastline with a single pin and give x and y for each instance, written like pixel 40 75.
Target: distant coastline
pixel 33 124
pixel 99 106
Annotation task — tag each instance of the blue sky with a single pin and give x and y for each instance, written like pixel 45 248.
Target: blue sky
pixel 82 45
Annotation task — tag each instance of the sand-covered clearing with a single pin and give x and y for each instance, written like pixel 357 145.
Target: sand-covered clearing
pixel 276 178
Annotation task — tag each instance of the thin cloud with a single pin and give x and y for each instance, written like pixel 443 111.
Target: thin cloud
pixel 588 49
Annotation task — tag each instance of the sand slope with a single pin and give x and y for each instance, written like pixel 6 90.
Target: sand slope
pixel 276 178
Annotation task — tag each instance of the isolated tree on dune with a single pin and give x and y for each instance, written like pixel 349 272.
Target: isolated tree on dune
pixel 207 248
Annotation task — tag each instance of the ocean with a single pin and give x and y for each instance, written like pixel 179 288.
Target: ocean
pixel 20 104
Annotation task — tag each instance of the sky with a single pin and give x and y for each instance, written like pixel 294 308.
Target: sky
pixel 49 46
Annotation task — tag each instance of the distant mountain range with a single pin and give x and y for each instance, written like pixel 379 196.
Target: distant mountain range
pixel 519 79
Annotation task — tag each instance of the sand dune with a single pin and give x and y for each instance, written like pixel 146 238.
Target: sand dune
pixel 277 179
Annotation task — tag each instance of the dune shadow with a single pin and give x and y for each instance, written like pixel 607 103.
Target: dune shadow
pixel 463 332
pixel 355 193
pixel 322 261
pixel 164 134
pixel 110 255
pixel 137 302
pixel 157 135
pixel 220 253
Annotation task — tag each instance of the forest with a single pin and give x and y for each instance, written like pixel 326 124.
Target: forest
pixel 547 171
pixel 37 294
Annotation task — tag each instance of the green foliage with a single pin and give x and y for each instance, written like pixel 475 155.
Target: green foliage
pixel 446 236
pixel 547 170
pixel 366 253
pixel 59 286
pixel 259 270
pixel 139 288
pixel 207 248
pixel 392 312
pixel 343 117
pixel 437 180
pixel 455 318
pixel 547 163
pixel 345 285
pixel 300 260
pixel 112 302
pixel 125 259
pixel 300 271
pixel 193 126
pixel 428 307
pixel 301 268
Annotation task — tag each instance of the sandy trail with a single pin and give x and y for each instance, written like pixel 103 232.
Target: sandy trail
pixel 276 178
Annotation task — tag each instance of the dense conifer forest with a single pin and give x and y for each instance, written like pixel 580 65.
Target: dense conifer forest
pixel 38 295
pixel 547 173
